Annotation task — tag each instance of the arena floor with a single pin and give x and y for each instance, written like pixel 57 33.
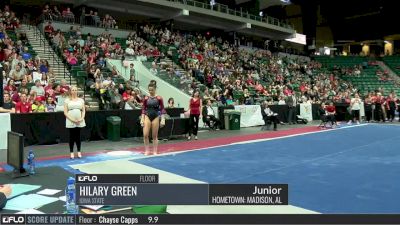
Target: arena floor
pixel 350 169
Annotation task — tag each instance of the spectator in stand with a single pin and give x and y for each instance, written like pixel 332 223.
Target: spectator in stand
pixel 18 73
pixel 50 106
pixel 23 106
pixel 38 106
pixel 108 21
pixel 49 29
pixel 60 98
pixel 128 99
pixel 38 88
pixel 115 72
pixel 55 13
pixel 10 87
pixel 44 66
pixel 71 59
pixel 116 99
pixel 96 19
pixel 32 96
pixel 8 105
pixel 49 89
pixel 68 16
pixel 153 69
pixel 132 82
pixel 46 12
pixel 129 51
pixel 64 87
pixel 44 80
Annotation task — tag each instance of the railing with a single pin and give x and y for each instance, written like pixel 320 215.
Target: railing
pixel 225 9
pixel 88 22
pixel 39 35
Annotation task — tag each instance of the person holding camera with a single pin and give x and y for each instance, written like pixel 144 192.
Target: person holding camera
pixel 5 192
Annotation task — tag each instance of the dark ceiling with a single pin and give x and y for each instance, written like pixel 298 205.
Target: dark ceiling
pixel 356 19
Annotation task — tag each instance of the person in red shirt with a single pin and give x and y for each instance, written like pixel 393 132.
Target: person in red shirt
pixel 330 113
pixel 48 29
pixel 195 106
pixel 23 106
pixel 10 87
pixel 64 86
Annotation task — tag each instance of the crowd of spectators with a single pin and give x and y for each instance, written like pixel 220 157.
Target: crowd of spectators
pixel 225 73
pixel 29 83
pixel 90 52
pixel 236 75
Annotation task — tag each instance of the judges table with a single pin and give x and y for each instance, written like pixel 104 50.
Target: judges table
pixel 47 177
pixel 251 114
pixel 49 128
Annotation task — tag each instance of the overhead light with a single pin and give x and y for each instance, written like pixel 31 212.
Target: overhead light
pixel 261 13
pixel 386 42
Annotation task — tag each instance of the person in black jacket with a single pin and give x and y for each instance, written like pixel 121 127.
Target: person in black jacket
pixel 5 191
pixel 209 116
pixel 269 116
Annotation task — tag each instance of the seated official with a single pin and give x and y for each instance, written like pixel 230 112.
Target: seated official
pixel 323 114
pixel 209 116
pixel 269 116
pixel 171 103
pixel 330 113
pixel 5 192
pixel 8 105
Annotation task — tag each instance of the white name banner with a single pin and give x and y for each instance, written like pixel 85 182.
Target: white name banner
pixel 250 115
pixel 306 111
pixel 5 126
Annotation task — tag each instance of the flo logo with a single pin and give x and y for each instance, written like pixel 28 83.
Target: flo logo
pixel 12 219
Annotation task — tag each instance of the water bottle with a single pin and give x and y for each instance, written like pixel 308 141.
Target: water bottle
pixel 70 195
pixel 31 162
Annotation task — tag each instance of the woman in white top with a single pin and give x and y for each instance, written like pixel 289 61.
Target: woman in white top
pixel 74 111
pixel 355 106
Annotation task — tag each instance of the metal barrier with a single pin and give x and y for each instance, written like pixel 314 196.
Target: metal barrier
pixel 225 9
